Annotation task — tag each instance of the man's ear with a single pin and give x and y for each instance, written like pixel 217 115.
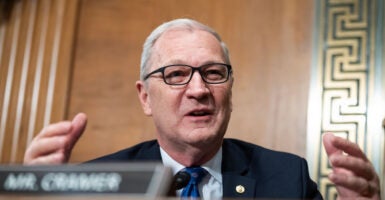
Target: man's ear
pixel 143 97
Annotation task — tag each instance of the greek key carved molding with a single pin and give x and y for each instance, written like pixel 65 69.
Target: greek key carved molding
pixel 345 65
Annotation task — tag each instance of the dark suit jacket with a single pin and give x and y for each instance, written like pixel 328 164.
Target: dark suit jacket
pixel 262 172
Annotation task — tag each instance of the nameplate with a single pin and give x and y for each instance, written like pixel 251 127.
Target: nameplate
pixel 148 179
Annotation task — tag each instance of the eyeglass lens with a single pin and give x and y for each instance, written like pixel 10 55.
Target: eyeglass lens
pixel 181 74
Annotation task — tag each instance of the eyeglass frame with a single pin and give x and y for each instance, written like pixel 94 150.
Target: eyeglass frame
pixel 199 69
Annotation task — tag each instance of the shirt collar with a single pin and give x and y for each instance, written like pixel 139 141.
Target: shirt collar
pixel 213 166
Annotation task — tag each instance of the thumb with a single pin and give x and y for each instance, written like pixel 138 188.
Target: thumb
pixel 79 124
pixel 330 148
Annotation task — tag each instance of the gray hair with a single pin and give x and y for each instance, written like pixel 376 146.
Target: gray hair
pixel 186 24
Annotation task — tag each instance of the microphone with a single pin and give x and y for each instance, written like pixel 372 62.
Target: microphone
pixel 179 181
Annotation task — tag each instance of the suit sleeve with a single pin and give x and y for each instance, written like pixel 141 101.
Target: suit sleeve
pixel 310 188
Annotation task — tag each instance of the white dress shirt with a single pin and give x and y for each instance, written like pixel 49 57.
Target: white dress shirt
pixel 211 186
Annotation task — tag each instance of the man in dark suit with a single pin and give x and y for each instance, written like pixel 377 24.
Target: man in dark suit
pixel 186 87
pixel 248 171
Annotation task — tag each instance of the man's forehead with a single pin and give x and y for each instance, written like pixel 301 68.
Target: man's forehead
pixel 173 46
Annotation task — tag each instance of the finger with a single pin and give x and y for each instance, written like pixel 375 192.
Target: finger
pixel 357 166
pixel 44 147
pixel 60 128
pixel 79 124
pixel 54 158
pixel 353 183
pixel 328 140
pixel 349 148
pixel 64 127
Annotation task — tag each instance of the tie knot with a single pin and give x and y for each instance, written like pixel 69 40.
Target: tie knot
pixel 196 174
pixel 191 191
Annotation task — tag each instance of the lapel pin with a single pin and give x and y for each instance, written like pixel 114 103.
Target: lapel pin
pixel 240 189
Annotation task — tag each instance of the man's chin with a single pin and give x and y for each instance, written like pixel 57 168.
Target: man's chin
pixel 202 137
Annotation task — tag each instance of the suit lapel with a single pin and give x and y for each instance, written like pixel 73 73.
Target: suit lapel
pixel 235 162
pixel 235 169
pixel 151 152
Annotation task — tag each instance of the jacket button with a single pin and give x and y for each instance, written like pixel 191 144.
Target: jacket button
pixel 240 189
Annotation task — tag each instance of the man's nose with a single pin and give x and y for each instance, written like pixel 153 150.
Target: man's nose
pixel 197 87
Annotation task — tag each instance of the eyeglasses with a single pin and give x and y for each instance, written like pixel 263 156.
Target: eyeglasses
pixel 179 74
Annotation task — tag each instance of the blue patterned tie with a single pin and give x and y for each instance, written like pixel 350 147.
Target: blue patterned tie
pixel 196 175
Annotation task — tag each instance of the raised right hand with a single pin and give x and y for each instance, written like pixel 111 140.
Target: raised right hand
pixel 53 145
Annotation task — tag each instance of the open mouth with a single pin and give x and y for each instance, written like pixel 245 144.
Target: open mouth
pixel 200 113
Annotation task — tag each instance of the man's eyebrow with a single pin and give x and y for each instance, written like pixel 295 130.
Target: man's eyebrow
pixel 174 61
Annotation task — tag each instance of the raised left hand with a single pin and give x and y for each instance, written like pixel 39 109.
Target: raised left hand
pixel 353 174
